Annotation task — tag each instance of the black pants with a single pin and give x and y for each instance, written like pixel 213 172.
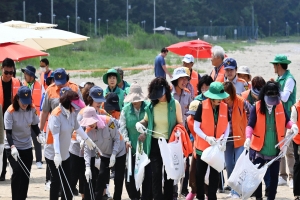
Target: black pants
pixel 213 180
pixel 4 164
pixel 37 147
pixel 56 182
pixel 186 176
pixel 48 173
pixel 77 172
pixel 93 182
pixel 19 179
pixel 104 175
pixel 296 170
pixel 156 165
pixel 274 171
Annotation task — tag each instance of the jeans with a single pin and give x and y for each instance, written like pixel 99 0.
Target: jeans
pixel 19 179
pixel 267 179
pixel 296 170
pixel 37 147
pixel 156 165
pixel 77 172
pixel 274 170
pixel 56 181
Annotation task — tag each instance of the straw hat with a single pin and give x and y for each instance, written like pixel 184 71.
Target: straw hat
pixel 135 94
pixel 89 117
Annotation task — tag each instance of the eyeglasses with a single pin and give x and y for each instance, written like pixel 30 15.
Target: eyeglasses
pixel 9 72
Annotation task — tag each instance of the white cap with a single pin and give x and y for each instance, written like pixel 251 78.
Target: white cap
pixel 188 58
pixel 82 84
pixel 178 73
pixel 243 70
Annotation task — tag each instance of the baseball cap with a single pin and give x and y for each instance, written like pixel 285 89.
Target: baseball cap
pixel 24 94
pixel 112 102
pixel 188 58
pixel 60 76
pixel 97 94
pixel 63 90
pixel 230 63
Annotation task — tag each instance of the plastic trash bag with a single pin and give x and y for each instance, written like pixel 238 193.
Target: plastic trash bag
pixel 214 157
pixel 172 156
pixel 141 160
pixel 206 180
pixel 97 163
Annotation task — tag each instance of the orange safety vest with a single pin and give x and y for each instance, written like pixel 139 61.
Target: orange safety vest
pixel 14 88
pixel 297 137
pixel 239 121
pixel 194 81
pixel 36 95
pixel 190 124
pixel 42 79
pixel 187 146
pixel 220 76
pixel 55 112
pixel 258 136
pixel 208 123
pixel 245 94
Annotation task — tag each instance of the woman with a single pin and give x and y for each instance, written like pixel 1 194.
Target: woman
pixel 266 127
pixel 211 121
pixel 62 122
pixel 161 116
pixel 251 95
pixel 132 113
pixel 112 105
pixel 203 86
pixel 243 72
pixel 103 130
pixel 239 110
pixel 19 118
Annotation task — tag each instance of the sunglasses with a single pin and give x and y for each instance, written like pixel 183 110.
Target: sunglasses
pixel 9 72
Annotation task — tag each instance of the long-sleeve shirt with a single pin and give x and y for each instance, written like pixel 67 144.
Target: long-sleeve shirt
pixel 122 122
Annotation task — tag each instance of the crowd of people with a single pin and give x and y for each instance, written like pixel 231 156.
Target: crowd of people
pixel 92 134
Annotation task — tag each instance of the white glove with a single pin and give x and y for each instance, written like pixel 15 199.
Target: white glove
pixel 91 145
pixel 295 129
pixel 41 139
pixel 211 140
pixel 140 127
pixel 57 160
pixel 112 160
pixel 81 144
pixel 14 153
pixel 1 148
pixel 283 149
pixel 88 174
pixel 247 144
pixel 222 146
pixel 177 133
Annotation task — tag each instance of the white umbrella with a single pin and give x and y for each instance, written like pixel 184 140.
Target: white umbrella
pixel 9 34
pixel 161 28
pixel 17 24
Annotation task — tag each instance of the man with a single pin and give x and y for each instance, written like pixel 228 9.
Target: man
pixel 46 72
pixel 160 68
pixel 230 67
pixel 8 89
pixel 124 85
pixel 217 57
pixel 288 97
pixel 188 61
pixel 36 93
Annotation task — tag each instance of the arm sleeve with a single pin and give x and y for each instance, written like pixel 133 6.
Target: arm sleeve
pixel 287 90
pixel 116 138
pixel 46 103
pixel 56 143
pixel 123 129
pixel 294 115
pixel 252 118
pixel 87 155
pixel 81 133
pixel 36 129
pixel 178 112
pixel 198 130
pixel 226 133
pixel 9 137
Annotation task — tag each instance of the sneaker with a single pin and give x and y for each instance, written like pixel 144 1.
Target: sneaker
pixel 75 192
pixel 281 181
pixel 107 190
pixel 47 185
pixel 227 188
pixel 190 196
pixel 291 184
pixel 184 193
pixel 39 165
pixel 297 198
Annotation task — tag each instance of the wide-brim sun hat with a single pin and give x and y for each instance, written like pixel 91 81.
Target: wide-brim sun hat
pixel 111 71
pixel 135 94
pixel 280 59
pixel 89 117
pixel 30 70
pixel 178 73
pixel 216 91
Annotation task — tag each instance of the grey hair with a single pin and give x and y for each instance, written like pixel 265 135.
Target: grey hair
pixel 119 70
pixel 218 51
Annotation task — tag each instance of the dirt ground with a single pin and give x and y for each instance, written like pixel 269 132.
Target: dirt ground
pixel 256 57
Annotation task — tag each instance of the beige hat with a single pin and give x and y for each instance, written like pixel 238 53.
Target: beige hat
pixel 243 70
pixel 89 116
pixel 135 94
pixel 193 107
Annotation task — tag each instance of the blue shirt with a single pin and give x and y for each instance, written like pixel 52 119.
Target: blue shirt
pixel 158 63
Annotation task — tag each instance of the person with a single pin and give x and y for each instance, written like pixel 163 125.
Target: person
pixel 217 57
pixel 211 121
pixel 1 136
pixel 124 85
pixel 188 61
pixel 230 67
pixel 46 72
pixel 62 122
pixel 189 86
pixel 94 97
pixel 160 68
pixel 161 116
pixel 251 95
pixel 239 110
pixel 84 85
pixel 203 86
pixel 8 87
pixel 288 97
pixel 133 112
pixel 266 127
pixel 19 119
pixel 112 78
pixel 112 106
pixel 81 86
pixel 112 149
pixel 243 72
pixel 36 92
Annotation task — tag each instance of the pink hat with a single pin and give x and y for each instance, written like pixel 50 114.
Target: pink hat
pixel 89 116
pixel 77 104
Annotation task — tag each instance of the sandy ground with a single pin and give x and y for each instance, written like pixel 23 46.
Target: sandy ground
pixel 256 57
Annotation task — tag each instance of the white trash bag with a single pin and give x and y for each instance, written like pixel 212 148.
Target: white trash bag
pixel 214 157
pixel 206 179
pixel 97 163
pixel 141 160
pixel 172 156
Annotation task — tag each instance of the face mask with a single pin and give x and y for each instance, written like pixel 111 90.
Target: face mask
pixel 43 69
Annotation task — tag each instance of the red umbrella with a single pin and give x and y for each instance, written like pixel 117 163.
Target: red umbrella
pixel 18 52
pixel 197 48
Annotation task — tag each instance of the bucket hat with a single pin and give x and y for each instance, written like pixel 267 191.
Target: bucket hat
pixel 281 59
pixel 135 94
pixel 216 91
pixel 30 70
pixel 111 71
pixel 89 117
pixel 24 94
pixel 97 94
pixel 178 73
